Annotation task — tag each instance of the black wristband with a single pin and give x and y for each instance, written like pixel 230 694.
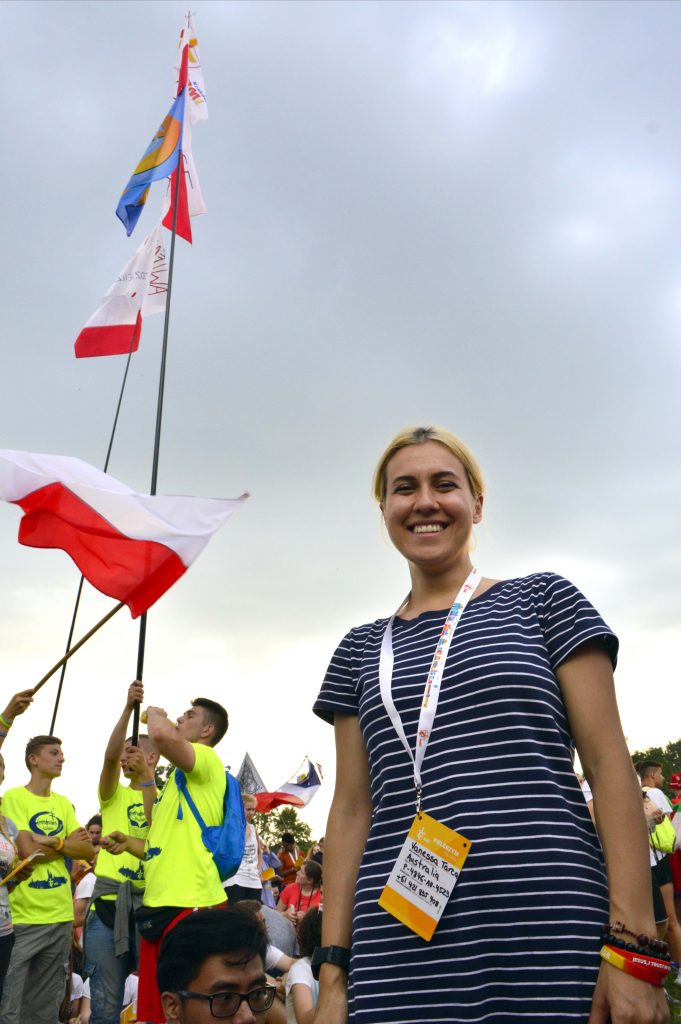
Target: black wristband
pixel 338 955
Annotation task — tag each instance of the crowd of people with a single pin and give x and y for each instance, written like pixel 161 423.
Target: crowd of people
pixel 472 682
pixel 84 912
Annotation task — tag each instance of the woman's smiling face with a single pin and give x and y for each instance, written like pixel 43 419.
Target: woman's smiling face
pixel 429 509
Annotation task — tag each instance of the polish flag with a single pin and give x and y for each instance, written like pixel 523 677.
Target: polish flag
pixel 297 792
pixel 139 291
pixel 131 546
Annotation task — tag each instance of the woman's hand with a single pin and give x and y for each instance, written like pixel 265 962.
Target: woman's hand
pixel 620 998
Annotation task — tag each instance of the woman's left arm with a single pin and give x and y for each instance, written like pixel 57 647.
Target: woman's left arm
pixel 588 689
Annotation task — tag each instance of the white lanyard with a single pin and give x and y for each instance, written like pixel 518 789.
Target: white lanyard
pixel 431 692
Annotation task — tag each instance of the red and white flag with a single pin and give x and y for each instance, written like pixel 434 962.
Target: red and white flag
pixel 190 199
pixel 139 291
pixel 130 546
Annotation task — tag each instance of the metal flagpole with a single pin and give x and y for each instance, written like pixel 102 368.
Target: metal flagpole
pixel 82 578
pixel 157 434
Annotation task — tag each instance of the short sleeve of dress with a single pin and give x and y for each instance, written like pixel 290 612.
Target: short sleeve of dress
pixel 339 692
pixel 570 621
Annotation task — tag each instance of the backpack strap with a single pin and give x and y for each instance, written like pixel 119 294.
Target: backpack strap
pixel 181 782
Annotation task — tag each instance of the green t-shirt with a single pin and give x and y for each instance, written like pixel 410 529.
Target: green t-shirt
pixel 45 897
pixel 123 812
pixel 179 870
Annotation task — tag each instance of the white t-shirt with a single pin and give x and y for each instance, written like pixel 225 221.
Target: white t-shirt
pixel 130 991
pixel 272 957
pixel 85 887
pixel 248 875
pixel 300 973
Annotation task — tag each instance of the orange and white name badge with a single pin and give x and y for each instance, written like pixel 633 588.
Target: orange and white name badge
pixel 424 875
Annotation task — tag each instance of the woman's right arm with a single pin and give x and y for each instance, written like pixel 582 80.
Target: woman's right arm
pixel 346 835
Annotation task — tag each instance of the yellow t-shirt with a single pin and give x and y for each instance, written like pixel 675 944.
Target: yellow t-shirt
pixel 179 870
pixel 45 897
pixel 123 812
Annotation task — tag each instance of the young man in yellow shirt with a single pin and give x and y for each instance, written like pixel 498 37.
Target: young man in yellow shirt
pixel 180 873
pixel 119 881
pixel 42 907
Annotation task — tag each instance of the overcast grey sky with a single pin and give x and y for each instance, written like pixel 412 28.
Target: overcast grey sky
pixel 467 214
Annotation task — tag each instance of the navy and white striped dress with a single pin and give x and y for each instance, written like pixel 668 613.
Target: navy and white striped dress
pixel 518 939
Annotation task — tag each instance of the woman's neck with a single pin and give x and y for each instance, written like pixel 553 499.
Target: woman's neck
pixel 432 591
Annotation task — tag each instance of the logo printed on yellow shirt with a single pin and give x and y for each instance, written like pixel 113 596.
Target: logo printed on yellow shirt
pixel 136 816
pixel 46 823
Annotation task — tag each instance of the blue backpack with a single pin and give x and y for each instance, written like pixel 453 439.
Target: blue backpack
pixel 226 841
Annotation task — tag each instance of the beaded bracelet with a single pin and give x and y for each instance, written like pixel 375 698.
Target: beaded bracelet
pixel 647 969
pixel 631 947
pixel 644 944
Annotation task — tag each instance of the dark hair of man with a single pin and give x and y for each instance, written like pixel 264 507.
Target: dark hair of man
pixel 216 716
pixel 644 767
pixel 250 906
pixel 35 745
pixel 313 870
pixel 96 819
pixel 237 936
pixel 310 931
pixel 287 838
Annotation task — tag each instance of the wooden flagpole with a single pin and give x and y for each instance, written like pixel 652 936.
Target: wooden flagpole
pixel 76 647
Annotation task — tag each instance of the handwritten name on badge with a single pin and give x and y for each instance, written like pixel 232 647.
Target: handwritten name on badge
pixel 425 873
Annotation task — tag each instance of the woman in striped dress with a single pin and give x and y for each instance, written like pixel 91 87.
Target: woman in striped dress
pixel 527 677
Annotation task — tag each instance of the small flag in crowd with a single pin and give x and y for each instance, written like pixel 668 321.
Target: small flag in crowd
pixel 139 291
pixel 297 791
pixel 131 546
pixel 159 161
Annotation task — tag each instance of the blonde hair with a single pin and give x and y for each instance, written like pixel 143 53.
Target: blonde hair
pixel 421 435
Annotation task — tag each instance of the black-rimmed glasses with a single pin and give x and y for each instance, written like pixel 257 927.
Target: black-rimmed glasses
pixel 226 1004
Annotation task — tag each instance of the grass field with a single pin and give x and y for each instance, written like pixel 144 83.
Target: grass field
pixel 674 993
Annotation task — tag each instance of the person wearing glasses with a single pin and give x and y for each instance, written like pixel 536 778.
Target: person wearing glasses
pixel 212 967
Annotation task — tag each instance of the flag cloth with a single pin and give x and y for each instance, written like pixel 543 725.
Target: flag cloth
pixel 190 197
pixel 196 89
pixel 298 792
pixel 131 546
pixel 159 161
pixel 192 203
pixel 248 776
pixel 139 291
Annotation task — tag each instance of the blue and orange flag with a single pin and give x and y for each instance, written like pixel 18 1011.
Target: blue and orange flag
pixel 159 161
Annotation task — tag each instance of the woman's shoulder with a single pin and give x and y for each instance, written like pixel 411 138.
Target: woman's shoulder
pixel 534 583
